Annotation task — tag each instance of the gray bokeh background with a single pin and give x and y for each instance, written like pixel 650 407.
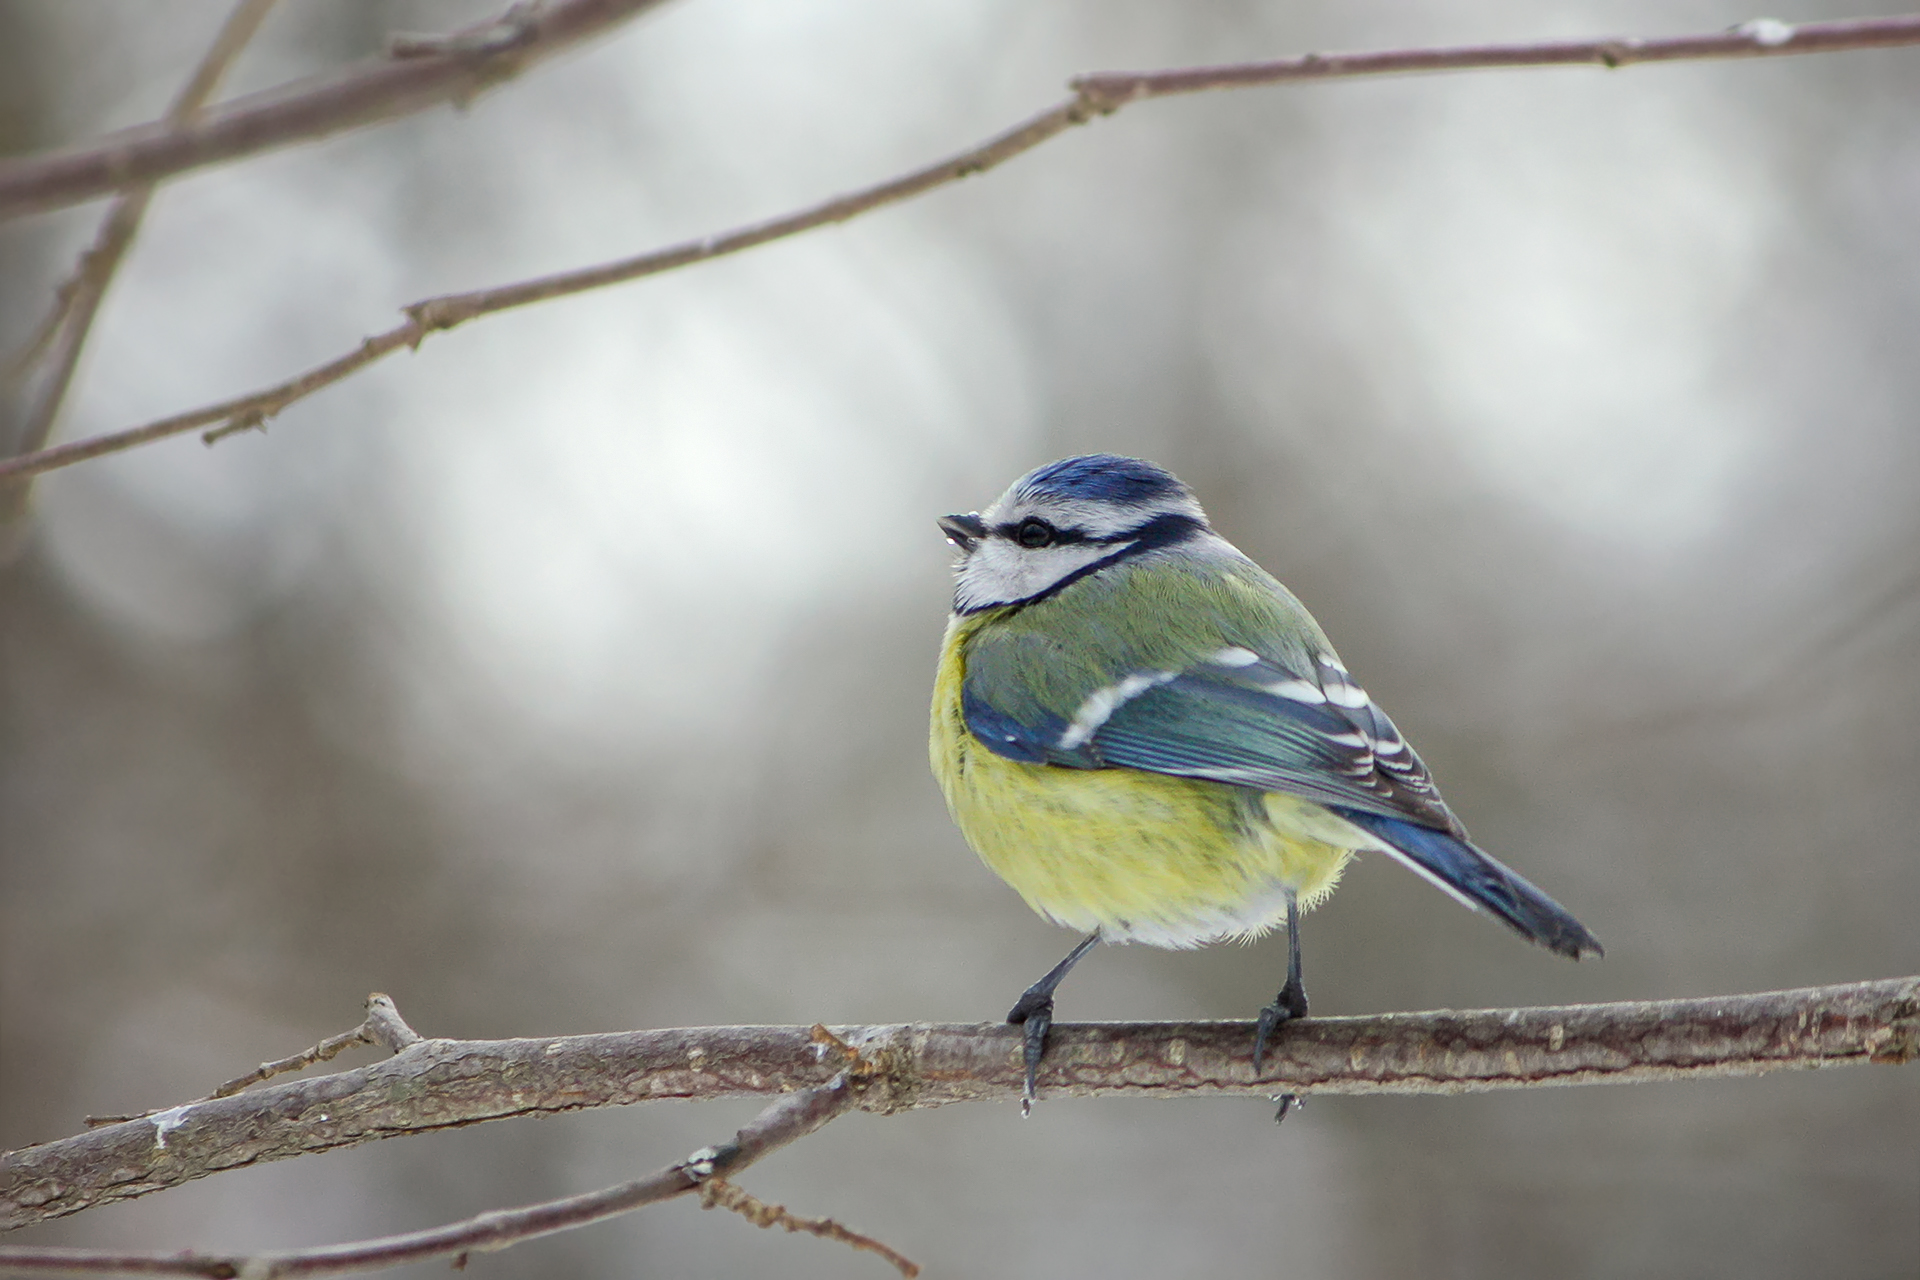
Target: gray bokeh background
pixel 571 674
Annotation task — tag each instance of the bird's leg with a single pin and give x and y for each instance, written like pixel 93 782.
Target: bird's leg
pixel 1034 1011
pixel 1291 1003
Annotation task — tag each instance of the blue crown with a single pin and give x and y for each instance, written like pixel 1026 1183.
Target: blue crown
pixel 1103 477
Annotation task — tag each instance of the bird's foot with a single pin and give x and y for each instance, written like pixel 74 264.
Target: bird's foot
pixel 1034 1015
pixel 1291 1003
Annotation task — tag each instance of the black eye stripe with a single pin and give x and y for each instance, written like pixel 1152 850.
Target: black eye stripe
pixel 1058 536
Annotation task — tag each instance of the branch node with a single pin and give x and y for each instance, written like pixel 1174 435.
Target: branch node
pixel 1768 33
pixel 514 29
pixel 251 420
pixel 436 314
pixel 1099 95
pixel 385 1026
pixel 859 1066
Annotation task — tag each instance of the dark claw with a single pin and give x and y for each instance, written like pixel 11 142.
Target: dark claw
pixel 1034 1010
pixel 1291 1003
pixel 1035 1017
pixel 1287 1101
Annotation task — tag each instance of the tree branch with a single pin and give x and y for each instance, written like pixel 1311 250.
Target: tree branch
pixel 63 334
pixel 418 73
pixel 415 73
pixel 787 1120
pixel 1094 95
pixel 1760 38
pixel 438 1084
pixel 383 1026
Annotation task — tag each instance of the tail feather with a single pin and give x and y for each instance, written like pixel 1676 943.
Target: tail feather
pixel 1479 881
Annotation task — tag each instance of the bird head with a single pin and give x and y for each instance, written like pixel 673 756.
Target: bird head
pixel 1065 520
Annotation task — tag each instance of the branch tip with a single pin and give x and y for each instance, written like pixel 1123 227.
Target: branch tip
pixel 718 1193
pixel 385 1026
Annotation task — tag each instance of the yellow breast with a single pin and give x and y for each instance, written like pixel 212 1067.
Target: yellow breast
pixel 1174 862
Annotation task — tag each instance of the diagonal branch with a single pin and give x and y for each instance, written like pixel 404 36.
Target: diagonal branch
pixel 418 74
pixel 414 74
pixel 1094 95
pixel 439 1084
pixel 234 36
pixel 434 314
pixel 787 1120
pixel 1760 38
pixel 63 334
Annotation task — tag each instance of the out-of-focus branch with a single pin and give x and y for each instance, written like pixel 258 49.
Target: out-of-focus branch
pixel 424 72
pixel 438 1084
pixel 434 314
pixel 63 334
pixel 100 260
pixel 1094 95
pixel 415 73
pixel 787 1120
pixel 1761 38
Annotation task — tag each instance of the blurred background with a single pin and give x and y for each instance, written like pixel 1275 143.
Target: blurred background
pixel 572 674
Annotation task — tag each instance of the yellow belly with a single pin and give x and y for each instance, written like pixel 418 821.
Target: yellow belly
pixel 1174 862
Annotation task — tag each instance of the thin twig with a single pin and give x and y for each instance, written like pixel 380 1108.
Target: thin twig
pixel 383 1026
pixel 717 1193
pixel 439 1084
pixel 1760 38
pixel 234 35
pixel 413 74
pixel 434 314
pixel 63 334
pixel 1094 95
pixel 787 1120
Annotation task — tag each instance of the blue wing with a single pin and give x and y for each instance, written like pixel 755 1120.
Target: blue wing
pixel 1253 721
pixel 1256 723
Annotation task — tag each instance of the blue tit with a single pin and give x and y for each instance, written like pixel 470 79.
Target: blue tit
pixel 1152 740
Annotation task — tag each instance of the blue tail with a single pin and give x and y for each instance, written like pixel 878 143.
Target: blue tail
pixel 1479 881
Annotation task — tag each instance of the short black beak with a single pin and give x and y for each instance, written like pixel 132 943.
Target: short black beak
pixel 963 530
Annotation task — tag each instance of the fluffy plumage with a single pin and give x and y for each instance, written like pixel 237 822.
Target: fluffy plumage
pixel 1150 738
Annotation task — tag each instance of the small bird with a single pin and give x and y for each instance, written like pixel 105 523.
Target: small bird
pixel 1151 739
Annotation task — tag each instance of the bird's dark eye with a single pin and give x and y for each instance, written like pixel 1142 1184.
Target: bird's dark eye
pixel 1033 532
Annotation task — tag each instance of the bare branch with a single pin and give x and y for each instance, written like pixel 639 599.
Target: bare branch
pixel 1094 95
pixel 383 1026
pixel 717 1193
pixel 434 314
pixel 787 1120
pixel 1761 38
pixel 63 334
pixel 414 74
pixel 438 1084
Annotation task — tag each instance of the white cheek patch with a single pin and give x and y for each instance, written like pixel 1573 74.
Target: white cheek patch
pixel 1102 703
pixel 998 572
